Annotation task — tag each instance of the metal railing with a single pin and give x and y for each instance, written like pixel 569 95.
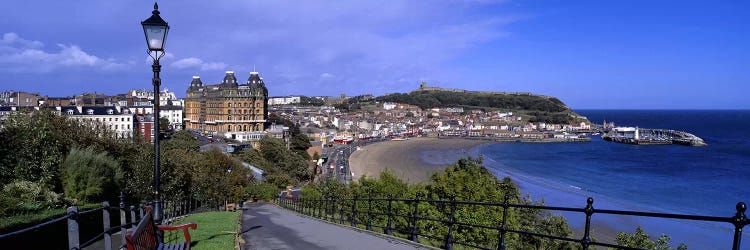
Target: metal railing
pixel 360 211
pixel 172 210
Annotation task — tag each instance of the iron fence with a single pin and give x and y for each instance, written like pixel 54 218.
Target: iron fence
pixel 360 213
pixel 129 217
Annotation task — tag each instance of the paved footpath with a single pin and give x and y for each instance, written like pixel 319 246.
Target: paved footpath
pixel 266 226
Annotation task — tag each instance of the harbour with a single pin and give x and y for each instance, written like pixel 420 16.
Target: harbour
pixel 647 136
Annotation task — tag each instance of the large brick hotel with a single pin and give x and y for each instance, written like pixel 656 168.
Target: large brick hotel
pixel 237 111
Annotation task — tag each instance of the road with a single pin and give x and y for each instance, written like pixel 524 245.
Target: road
pixel 338 155
pixel 266 226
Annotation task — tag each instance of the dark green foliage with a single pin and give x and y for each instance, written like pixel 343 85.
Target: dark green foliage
pixel 436 99
pixel 547 117
pixel 284 163
pixel 262 191
pixel 467 180
pixel 213 180
pixel 34 144
pixel 283 166
pixel 640 239
pixel 89 176
pixel 37 144
pixel 310 101
pixel 26 196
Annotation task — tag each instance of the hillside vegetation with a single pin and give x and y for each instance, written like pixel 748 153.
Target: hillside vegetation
pixel 438 99
pixel 538 108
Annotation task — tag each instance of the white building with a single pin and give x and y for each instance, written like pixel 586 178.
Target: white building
pixel 389 105
pixel 283 100
pixel 173 114
pixel 111 117
pixel 166 97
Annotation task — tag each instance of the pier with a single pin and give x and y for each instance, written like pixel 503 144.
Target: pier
pixel 647 136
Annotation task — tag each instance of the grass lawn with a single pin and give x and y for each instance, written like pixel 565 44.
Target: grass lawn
pixel 216 230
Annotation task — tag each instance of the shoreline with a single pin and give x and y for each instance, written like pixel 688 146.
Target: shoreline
pixel 415 160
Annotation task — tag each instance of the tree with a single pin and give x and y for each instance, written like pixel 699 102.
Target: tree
pixel 35 143
pixel 89 175
pixel 25 197
pixel 316 156
pixel 640 239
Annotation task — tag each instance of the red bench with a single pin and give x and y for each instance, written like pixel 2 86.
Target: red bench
pixel 144 236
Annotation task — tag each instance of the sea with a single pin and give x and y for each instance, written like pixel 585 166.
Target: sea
pixel 708 180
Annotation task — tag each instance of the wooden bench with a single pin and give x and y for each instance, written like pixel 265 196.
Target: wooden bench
pixel 145 237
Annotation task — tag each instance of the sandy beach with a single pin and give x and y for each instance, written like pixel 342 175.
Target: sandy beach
pixel 413 160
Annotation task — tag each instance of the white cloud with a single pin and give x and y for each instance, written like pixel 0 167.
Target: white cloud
pixel 9 39
pixel 326 75
pixel 192 62
pixel 404 40
pixel 21 55
pixel 214 66
pixel 187 63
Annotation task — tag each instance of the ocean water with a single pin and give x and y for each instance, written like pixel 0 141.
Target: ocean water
pixel 707 180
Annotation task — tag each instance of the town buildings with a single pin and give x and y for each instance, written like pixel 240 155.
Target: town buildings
pixel 113 118
pixel 237 111
pixel 19 99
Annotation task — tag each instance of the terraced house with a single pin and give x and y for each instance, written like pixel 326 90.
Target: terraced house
pixel 237 111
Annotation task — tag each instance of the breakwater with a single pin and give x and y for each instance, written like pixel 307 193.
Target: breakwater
pixel 646 136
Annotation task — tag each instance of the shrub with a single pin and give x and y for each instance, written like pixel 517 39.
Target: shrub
pixel 88 175
pixel 25 196
pixel 262 191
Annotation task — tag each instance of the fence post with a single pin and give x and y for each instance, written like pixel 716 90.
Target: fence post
pixel 106 220
pixel 503 229
pixel 369 211
pixel 341 211
pixel 133 219
pixel 589 210
pixel 388 225
pixel 300 207
pixel 73 241
pixel 140 211
pixel 414 219
pixel 739 221
pixel 318 207
pixel 123 219
pixel 354 211
pixel 325 208
pixel 449 238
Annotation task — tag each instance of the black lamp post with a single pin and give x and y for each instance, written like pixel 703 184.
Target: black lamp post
pixel 156 30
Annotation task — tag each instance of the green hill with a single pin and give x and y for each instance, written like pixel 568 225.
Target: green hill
pixel 536 107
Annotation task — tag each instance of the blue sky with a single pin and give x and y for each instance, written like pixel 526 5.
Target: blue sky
pixel 591 54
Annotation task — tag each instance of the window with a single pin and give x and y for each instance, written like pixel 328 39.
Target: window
pixel 90 112
pixel 70 111
pixel 117 127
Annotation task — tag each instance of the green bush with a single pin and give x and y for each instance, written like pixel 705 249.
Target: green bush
pixel 26 196
pixel 88 175
pixel 641 239
pixel 262 191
